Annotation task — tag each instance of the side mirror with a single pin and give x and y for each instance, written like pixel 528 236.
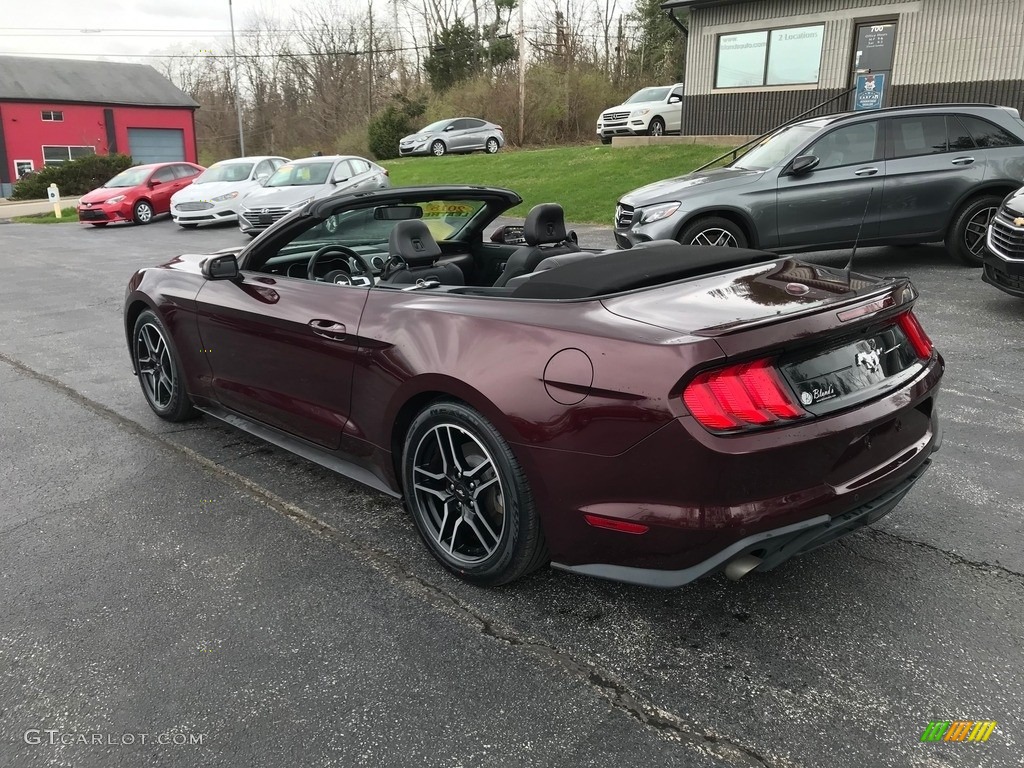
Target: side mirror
pixel 449 128
pixel 221 267
pixel 153 183
pixel 262 177
pixel 674 99
pixel 803 164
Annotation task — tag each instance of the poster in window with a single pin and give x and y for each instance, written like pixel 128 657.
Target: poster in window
pixel 794 57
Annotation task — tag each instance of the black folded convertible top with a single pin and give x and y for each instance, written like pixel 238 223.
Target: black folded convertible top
pixel 618 271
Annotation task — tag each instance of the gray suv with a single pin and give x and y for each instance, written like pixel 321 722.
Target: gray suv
pixel 912 174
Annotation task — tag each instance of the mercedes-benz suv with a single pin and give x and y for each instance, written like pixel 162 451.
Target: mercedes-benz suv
pixel 902 175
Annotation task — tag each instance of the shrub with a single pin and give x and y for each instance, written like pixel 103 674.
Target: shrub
pixel 394 122
pixel 74 178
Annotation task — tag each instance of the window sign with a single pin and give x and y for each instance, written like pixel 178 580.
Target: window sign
pixel 870 92
pixel 741 60
pixel 795 55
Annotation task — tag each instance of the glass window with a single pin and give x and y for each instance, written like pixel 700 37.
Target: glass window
pixel 300 174
pixel 647 94
pixel 50 116
pixel 914 136
pixel 76 152
pixel 988 135
pixel 130 178
pixel 183 171
pixel 741 60
pixel 794 55
pixel 849 145
pixel 777 147
pixel 959 137
pixel 164 174
pixel 54 155
pixel 265 168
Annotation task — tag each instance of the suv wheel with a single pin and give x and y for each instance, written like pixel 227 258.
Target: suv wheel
pixel 656 128
pixel 715 231
pixel 966 236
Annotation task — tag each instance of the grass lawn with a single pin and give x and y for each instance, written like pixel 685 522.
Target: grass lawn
pixel 585 180
pixel 70 214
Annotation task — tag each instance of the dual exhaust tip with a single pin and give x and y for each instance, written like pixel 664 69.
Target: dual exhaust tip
pixel 739 567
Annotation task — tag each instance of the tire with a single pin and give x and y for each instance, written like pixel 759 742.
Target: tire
pixel 606 139
pixel 714 231
pixel 160 374
pixel 454 458
pixel 142 213
pixel 656 127
pixel 491 147
pixel 966 236
pixel 189 226
pixel 437 149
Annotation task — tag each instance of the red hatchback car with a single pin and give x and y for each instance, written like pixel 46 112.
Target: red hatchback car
pixel 137 194
pixel 651 415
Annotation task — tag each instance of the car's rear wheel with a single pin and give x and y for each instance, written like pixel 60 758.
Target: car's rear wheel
pixel 438 148
pixel 142 213
pixel 656 128
pixel 469 497
pixel 491 147
pixel 160 374
pixel 714 231
pixel 967 233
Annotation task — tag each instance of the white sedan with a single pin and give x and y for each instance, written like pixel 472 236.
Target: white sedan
pixel 215 194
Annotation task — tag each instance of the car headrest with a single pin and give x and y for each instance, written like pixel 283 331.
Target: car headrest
pixel 545 223
pixel 411 242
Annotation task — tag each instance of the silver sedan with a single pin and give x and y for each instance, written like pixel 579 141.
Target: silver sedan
pixel 458 134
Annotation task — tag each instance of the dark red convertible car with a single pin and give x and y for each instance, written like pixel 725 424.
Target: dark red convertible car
pixel 650 416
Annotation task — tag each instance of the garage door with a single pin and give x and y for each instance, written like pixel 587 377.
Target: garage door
pixel 156 145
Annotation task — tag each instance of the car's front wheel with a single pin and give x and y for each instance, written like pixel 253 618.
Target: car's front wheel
pixel 142 213
pixel 160 373
pixel 715 231
pixel 656 128
pixel 967 233
pixel 438 148
pixel 491 147
pixel 469 497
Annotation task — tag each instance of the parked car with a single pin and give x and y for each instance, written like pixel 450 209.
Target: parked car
pixel 903 175
pixel 1004 260
pixel 648 112
pixel 137 194
pixel 295 183
pixel 650 416
pixel 459 134
pixel 214 195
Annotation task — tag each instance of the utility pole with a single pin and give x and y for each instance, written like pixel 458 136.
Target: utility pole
pixel 369 69
pixel 238 90
pixel 522 74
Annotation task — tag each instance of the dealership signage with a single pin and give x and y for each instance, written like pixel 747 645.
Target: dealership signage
pixel 870 92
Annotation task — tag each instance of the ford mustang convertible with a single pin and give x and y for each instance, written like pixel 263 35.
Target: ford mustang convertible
pixel 650 416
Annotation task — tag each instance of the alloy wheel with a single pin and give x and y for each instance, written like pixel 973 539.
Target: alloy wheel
pixel 716 237
pixel 977 229
pixel 156 369
pixel 458 493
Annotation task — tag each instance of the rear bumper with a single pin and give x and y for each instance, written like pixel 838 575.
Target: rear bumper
pixel 1007 276
pixel 772 547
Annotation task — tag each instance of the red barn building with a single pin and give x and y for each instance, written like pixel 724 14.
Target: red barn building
pixel 55 110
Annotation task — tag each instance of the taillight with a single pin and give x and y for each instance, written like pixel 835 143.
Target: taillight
pixel 741 397
pixel 916 336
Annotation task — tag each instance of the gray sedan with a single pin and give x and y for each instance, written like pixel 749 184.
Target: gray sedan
pixel 459 134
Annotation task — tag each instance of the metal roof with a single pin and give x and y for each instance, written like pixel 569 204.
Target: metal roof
pixel 30 78
pixel 670 4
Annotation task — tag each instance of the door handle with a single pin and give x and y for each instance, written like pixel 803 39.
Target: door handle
pixel 865 172
pixel 963 160
pixel 329 329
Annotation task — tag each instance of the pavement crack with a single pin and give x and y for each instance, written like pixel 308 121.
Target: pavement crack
pixel 983 567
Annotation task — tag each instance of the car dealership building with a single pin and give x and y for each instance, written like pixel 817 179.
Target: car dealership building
pixel 754 64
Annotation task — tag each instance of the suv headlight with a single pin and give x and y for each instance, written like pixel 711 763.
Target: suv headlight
pixel 114 200
pixel 659 212
pixel 222 198
pixel 639 112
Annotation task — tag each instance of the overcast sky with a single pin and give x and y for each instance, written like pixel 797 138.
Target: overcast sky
pixel 91 27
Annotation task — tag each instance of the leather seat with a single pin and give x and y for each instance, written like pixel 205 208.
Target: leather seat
pixel 545 235
pixel 414 256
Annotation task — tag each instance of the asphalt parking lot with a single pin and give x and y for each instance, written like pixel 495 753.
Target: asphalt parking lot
pixel 190 581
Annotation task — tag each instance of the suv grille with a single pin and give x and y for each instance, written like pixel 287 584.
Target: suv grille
pixel 623 216
pixel 1006 239
pixel 614 116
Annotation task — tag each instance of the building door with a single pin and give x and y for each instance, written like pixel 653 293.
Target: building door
pixel 156 145
pixel 874 45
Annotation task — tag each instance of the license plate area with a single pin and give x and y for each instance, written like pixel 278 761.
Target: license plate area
pixel 843 375
pixel 266 218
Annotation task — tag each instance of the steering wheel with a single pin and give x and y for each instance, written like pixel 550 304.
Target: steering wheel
pixel 340 250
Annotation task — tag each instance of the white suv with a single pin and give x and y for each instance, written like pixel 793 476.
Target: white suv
pixel 648 112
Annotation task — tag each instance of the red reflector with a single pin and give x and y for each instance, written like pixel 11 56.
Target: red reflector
pixel 915 334
pixel 622 526
pixel 745 395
